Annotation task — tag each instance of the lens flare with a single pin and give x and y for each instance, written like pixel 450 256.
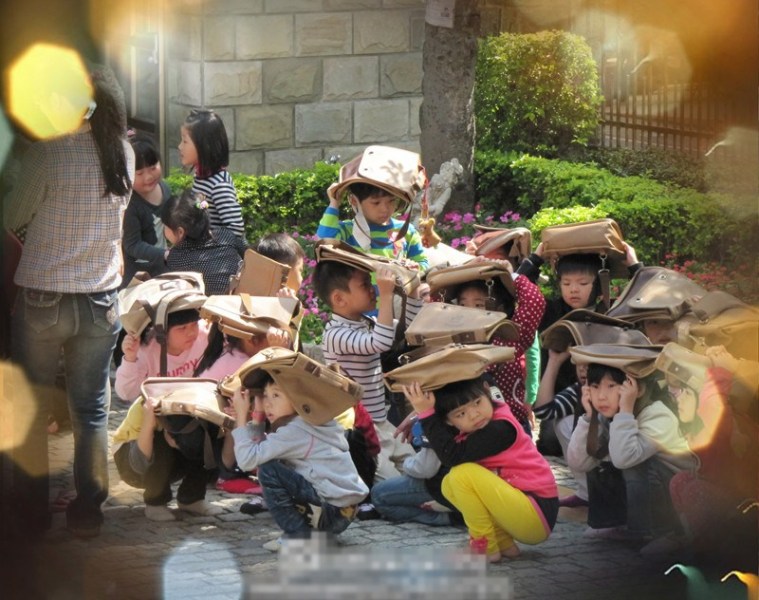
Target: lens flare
pixel 49 90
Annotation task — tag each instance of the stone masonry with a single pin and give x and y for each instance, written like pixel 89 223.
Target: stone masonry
pixel 297 81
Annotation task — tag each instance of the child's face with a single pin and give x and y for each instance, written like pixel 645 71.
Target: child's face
pixel 295 277
pixel 173 236
pixel 379 209
pixel 471 416
pixel 472 297
pixel 181 338
pixel 604 396
pixel 576 289
pixel 360 297
pixel 146 179
pixel 687 402
pixel 659 331
pixel 276 403
pixel 188 154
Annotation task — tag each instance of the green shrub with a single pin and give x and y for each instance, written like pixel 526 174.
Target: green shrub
pixel 292 201
pixel 536 92
pixel 657 219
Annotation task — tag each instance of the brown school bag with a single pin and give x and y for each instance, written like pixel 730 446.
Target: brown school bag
pixel 582 327
pixel 260 275
pixel 438 324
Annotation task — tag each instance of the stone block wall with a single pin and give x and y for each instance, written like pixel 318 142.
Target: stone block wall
pixel 297 81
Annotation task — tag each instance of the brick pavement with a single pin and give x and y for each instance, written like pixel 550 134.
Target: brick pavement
pixel 222 557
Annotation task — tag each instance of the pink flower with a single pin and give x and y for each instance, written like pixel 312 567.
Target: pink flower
pixel 468 218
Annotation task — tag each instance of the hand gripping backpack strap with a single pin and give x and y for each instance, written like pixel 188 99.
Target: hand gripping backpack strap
pixel 158 315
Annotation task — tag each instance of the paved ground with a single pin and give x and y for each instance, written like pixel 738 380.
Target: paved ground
pixel 222 557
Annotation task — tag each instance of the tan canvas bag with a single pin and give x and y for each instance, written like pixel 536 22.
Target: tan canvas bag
pixel 439 324
pixel 259 275
pixel 638 361
pixel 582 327
pixel 191 396
pixel 655 293
pixel 244 316
pixel 434 367
pixel 139 302
pixel 399 172
pixel 683 365
pixel 407 280
pixel 318 392
pixel 602 237
pixel 492 238
pixel 445 280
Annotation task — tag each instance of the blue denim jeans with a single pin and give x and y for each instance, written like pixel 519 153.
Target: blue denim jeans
pixel 650 511
pixel 400 498
pixel 288 496
pixel 85 328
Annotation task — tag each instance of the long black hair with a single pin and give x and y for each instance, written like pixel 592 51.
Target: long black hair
pixel 108 124
pixel 209 136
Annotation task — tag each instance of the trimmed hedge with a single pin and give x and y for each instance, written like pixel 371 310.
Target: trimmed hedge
pixel 657 219
pixel 292 201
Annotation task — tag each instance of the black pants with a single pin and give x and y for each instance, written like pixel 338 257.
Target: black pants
pixel 169 466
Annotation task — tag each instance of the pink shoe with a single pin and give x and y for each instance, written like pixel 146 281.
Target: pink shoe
pixel 240 485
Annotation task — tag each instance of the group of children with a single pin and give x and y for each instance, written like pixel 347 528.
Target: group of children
pixel 472 458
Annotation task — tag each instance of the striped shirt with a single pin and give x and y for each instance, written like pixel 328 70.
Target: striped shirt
pixel 410 247
pixel 223 208
pixel 356 346
pixel 73 243
pixel 566 402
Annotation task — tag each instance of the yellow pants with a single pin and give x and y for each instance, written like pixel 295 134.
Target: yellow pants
pixel 493 508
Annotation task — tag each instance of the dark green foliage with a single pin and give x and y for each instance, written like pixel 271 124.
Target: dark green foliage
pixel 536 92
pixel 657 219
pixel 292 201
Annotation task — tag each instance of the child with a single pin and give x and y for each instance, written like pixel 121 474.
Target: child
pixel 216 254
pixel 530 303
pixel 143 242
pixel 639 435
pixel 151 457
pixel 355 342
pixel 187 337
pixel 205 148
pixel 503 487
pixel 373 230
pixel 562 408
pixel 308 479
pixel 284 249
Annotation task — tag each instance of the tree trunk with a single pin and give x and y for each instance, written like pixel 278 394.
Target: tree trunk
pixel 447 112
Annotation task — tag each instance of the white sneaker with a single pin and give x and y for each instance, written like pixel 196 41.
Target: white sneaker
pixel 201 508
pixel 159 512
pixel 274 545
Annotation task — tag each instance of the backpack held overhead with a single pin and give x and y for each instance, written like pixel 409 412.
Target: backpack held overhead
pixel 439 324
pixel 259 275
pixel 244 316
pixel 146 301
pixel 318 392
pixel 582 327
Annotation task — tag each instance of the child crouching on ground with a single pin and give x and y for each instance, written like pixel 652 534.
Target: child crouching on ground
pixel 503 487
pixel 308 478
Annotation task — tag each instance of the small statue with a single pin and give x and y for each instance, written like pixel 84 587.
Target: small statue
pixel 433 199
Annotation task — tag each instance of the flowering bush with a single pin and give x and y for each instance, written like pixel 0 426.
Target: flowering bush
pixel 315 313
pixel 456 229
pixel 741 281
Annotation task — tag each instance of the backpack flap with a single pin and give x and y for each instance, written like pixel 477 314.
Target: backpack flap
pixel 439 324
pixel 435 367
pixel 195 397
pixel 245 316
pixel 492 238
pixel 399 172
pixel 582 327
pixel 139 301
pixel 655 293
pixel 602 237
pixel 259 275
pixel 318 392
pixel 444 281
pixel 638 361
pixel 407 280
pixel 683 365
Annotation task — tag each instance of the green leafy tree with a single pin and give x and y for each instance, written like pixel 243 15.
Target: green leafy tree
pixel 536 92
